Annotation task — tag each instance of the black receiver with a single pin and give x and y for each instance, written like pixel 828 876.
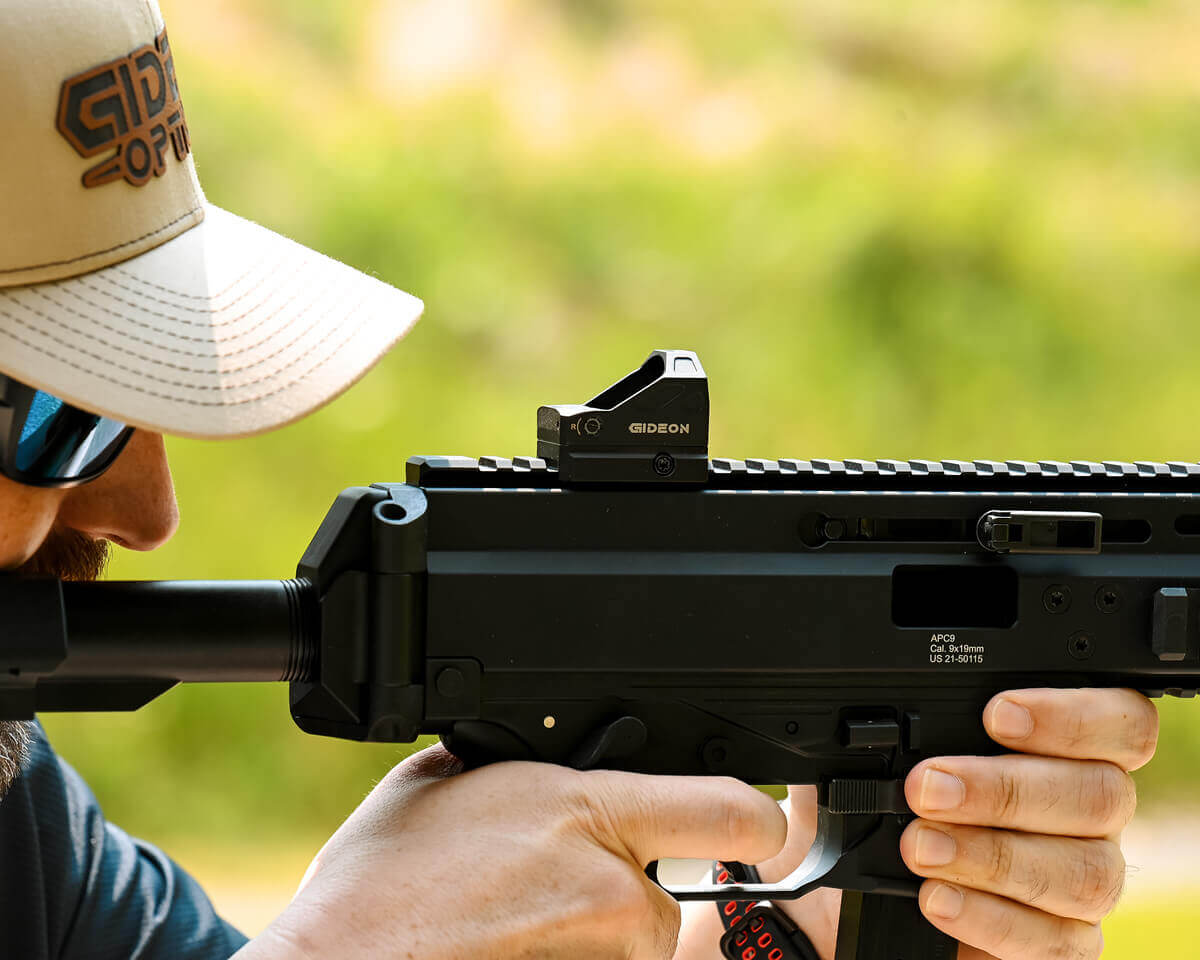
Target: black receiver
pixel 621 601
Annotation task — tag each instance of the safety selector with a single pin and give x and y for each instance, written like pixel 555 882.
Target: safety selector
pixel 1039 531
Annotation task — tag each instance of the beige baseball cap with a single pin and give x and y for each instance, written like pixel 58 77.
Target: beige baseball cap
pixel 121 289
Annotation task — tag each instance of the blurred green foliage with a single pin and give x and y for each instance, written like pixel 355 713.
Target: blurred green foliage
pixel 1164 927
pixel 890 229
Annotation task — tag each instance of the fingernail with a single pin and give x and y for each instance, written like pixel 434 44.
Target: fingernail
pixel 941 791
pixel 934 848
pixel 1011 720
pixel 945 901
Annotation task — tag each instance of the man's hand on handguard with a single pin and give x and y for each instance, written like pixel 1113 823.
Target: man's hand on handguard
pixel 1022 849
pixel 513 860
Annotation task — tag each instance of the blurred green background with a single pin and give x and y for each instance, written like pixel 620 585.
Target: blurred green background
pixel 890 229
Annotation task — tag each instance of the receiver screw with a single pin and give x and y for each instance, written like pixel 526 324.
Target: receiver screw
pixel 451 683
pixel 1080 645
pixel 1108 598
pixel 1057 598
pixel 664 464
pixel 591 426
pixel 792 727
pixel 716 754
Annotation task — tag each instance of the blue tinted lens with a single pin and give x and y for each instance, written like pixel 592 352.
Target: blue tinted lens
pixel 61 442
pixel 43 407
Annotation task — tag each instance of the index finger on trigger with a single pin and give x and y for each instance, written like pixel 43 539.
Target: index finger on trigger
pixel 1117 725
pixel 709 818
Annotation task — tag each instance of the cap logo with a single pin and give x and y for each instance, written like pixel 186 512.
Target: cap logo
pixel 131 103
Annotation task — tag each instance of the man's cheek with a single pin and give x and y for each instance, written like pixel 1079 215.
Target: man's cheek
pixel 26 518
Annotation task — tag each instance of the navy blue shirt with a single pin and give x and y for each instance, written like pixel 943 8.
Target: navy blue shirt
pixel 75 887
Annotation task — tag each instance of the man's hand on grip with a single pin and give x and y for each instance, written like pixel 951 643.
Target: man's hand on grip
pixel 514 860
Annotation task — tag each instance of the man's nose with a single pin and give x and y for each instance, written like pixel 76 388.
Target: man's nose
pixel 132 503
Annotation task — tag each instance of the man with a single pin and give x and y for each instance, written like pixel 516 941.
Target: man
pixel 130 307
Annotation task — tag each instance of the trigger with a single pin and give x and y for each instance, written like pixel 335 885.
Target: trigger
pixel 615 741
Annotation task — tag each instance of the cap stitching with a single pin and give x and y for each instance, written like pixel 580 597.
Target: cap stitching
pixel 176 293
pixel 104 275
pixel 161 346
pixel 97 253
pixel 171 383
pixel 166 396
pixel 296 268
pixel 171 333
pixel 177 366
pixel 213 325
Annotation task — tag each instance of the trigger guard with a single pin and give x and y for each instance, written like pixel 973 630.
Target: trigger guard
pixel 826 851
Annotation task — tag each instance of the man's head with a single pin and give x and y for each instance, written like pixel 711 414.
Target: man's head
pixel 125 294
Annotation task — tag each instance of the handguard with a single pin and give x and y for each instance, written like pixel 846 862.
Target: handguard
pixel 619 601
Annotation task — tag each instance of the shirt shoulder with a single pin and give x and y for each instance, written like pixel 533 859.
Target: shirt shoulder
pixel 74 886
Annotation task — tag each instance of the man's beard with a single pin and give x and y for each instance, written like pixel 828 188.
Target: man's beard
pixel 67 555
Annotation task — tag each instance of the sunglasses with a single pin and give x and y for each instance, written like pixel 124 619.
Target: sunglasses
pixel 49 443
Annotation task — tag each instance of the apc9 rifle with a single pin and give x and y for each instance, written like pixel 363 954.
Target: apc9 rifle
pixel 621 601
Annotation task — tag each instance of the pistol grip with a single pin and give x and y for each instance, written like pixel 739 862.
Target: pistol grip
pixel 874 926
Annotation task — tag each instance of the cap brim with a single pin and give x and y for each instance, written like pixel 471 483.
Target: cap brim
pixel 226 330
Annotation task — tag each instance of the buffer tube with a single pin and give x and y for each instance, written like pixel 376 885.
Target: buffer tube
pixel 117 645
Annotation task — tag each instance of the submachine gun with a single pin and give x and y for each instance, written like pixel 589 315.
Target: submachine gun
pixel 621 601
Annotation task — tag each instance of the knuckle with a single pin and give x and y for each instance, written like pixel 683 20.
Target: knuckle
pixel 626 898
pixel 741 826
pixel 1106 797
pixel 1006 936
pixel 1006 796
pixel 999 858
pixel 664 917
pixel 1037 883
pixel 610 899
pixel 1073 940
pixel 747 815
pixel 1096 878
pixel 1075 730
pixel 590 807
pixel 651 921
pixel 1062 946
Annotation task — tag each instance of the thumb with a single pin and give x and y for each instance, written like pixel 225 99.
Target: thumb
pixel 707 818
